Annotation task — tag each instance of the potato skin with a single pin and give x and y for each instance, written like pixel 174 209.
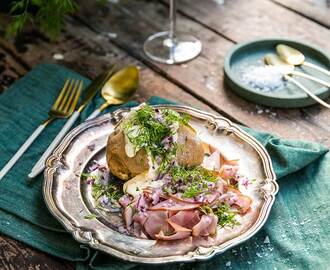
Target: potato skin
pixel 190 153
pixel 119 163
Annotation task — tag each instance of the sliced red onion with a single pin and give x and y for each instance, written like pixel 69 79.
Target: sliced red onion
pixel 125 200
pixel 245 182
pixel 104 201
pixel 91 147
pixel 155 196
pixel 94 166
pixel 141 204
pixel 90 181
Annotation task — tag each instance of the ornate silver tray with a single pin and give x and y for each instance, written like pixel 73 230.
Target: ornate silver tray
pixel 69 198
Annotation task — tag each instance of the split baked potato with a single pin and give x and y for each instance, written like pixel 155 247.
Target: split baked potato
pixel 190 153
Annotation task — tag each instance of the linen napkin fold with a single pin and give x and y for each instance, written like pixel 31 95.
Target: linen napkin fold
pixel 295 236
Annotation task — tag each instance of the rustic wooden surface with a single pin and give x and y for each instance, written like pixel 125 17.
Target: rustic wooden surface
pixel 97 37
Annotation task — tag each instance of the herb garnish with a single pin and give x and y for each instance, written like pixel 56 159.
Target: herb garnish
pixel 190 181
pixel 226 216
pixel 90 216
pixel 153 130
pixel 102 188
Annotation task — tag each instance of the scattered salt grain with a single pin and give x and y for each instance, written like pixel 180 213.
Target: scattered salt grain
pixel 111 35
pixel 219 2
pixel 228 263
pixel 249 262
pixel 258 255
pixel 263 78
pixel 267 241
pixel 58 56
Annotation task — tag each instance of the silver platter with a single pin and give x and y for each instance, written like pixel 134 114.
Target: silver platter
pixel 69 199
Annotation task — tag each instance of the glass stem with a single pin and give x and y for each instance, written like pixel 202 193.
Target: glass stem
pixel 172 19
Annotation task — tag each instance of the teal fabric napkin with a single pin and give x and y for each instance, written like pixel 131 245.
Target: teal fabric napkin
pixel 296 235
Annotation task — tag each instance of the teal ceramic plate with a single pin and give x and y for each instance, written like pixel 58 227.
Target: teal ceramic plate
pixel 247 56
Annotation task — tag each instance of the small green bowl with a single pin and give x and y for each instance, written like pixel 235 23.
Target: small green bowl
pixel 290 96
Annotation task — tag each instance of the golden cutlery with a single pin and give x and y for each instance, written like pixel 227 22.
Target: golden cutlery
pixel 119 89
pixel 296 58
pixel 274 60
pixel 286 69
pixel 63 107
pixel 90 92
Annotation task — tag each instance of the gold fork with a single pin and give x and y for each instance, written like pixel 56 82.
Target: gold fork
pixel 63 107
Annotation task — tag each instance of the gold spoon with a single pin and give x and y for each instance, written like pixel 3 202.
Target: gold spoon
pixel 119 89
pixel 296 58
pixel 287 69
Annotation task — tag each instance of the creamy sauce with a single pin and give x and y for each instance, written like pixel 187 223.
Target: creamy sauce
pixel 130 148
pixel 136 185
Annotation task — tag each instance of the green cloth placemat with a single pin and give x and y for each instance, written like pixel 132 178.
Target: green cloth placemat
pixel 296 236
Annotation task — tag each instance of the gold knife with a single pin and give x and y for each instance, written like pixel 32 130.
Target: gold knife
pixel 90 92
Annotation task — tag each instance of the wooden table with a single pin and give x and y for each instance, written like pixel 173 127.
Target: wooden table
pixel 98 37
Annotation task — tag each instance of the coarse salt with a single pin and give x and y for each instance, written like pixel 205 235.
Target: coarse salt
pixel 267 241
pixel 58 56
pixel 262 78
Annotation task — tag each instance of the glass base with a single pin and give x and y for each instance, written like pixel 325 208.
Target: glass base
pixel 159 47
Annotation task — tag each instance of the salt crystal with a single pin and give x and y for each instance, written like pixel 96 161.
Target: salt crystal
pixel 219 2
pixel 58 56
pixel 258 254
pixel 260 111
pixel 111 35
pixel 266 241
pixel 267 111
pixel 228 263
pixel 263 78
pixel 249 262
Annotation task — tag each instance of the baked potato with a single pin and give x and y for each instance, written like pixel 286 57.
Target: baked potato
pixel 190 153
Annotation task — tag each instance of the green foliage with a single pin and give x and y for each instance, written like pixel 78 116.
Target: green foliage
pixel 49 15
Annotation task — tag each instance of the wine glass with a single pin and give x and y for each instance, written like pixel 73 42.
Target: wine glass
pixel 171 47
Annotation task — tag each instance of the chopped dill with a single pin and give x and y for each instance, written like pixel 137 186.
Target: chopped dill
pixel 90 216
pixel 226 216
pixel 111 191
pixel 100 189
pixel 147 128
pixel 192 181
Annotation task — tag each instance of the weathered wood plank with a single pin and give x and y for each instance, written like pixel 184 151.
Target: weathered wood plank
pixel 134 21
pixel 89 53
pixel 17 256
pixel 316 10
pixel 241 20
pixel 9 70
